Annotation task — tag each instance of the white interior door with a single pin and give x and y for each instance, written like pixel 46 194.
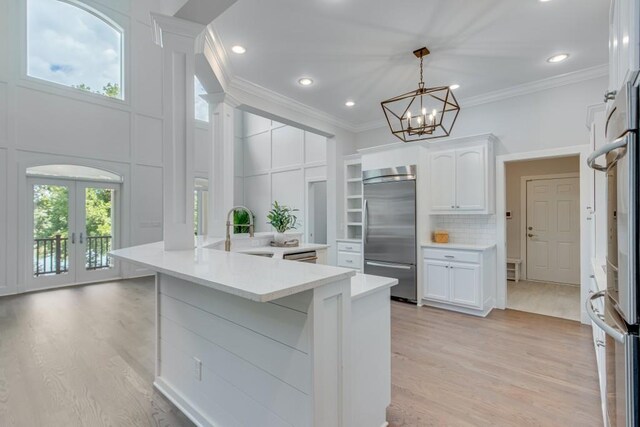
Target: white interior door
pixel 71 229
pixel 553 230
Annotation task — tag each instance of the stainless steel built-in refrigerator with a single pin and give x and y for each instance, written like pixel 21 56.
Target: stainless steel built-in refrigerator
pixel 621 317
pixel 389 227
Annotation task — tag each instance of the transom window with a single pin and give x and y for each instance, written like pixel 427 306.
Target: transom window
pixel 70 44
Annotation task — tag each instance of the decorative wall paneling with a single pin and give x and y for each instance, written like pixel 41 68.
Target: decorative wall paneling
pixel 278 160
pixel 83 129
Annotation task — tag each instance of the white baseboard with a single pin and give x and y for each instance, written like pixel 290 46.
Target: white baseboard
pixel 182 403
pixel 450 307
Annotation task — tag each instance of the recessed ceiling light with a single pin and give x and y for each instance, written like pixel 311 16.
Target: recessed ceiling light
pixel 558 58
pixel 544 1
pixel 349 103
pixel 454 87
pixel 305 81
pixel 238 49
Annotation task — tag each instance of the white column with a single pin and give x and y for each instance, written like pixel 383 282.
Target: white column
pixel 177 38
pixel 221 162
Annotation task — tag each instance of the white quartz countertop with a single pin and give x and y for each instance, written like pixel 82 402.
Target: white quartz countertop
pixel 366 284
pixel 465 246
pixel 253 277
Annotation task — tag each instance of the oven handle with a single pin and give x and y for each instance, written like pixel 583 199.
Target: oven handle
pixel 618 143
pixel 591 311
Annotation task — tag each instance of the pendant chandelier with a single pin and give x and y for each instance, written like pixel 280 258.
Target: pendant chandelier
pixel 424 113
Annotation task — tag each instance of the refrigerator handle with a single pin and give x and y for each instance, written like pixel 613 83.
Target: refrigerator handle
pixel 598 320
pixel 618 143
pixel 365 222
pixel 387 265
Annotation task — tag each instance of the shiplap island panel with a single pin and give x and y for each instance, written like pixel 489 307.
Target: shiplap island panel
pixel 246 340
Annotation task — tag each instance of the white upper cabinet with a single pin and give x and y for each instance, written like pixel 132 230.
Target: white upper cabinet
pixel 443 178
pixel 470 179
pixel 624 40
pixel 461 179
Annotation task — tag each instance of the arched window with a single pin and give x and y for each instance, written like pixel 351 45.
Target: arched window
pixel 73 45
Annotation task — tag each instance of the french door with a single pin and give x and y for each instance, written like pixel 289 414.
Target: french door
pixel 71 229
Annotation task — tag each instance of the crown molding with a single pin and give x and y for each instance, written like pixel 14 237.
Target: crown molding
pixel 172 25
pixel 538 86
pixel 436 143
pixel 216 55
pixel 217 98
pixel 241 88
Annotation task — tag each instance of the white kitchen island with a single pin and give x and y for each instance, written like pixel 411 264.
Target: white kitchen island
pixel 246 340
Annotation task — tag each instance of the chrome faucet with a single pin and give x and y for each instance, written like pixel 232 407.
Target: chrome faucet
pixel 227 240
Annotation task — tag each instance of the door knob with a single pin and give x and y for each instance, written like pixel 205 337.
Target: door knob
pixel 531 235
pixel 530 228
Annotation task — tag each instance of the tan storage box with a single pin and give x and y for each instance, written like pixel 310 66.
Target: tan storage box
pixel 441 236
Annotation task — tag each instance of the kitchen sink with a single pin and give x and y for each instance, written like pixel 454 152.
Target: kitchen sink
pixel 263 254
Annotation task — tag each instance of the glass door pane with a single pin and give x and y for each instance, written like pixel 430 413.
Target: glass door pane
pixel 51 236
pixel 96 215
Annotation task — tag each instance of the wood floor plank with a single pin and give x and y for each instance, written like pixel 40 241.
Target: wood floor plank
pixel 84 356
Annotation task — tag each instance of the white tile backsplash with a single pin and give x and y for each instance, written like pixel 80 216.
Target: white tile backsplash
pixel 468 229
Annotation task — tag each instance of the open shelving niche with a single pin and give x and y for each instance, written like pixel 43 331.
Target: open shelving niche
pixel 353 196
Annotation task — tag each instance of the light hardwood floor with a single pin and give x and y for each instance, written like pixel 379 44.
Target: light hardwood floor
pixel 550 299
pixel 83 356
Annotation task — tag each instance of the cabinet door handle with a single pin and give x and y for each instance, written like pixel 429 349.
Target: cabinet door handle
pixel 73 238
pixel 449 256
pixel 453 207
pixel 457 207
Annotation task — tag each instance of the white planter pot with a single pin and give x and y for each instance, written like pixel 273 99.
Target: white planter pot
pixel 280 238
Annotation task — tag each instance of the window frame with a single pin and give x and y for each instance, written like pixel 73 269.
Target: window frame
pixel 200 123
pixel 112 17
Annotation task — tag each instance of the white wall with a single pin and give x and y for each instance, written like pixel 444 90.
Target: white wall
pixel 42 122
pixel 516 170
pixel 278 160
pixel 547 119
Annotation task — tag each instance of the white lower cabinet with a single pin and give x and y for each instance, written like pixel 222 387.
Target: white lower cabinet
pixel 437 280
pixel 350 254
pixel 459 280
pixel 465 284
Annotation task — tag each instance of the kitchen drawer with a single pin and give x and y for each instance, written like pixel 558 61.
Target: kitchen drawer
pixel 349 260
pixel 451 255
pixel 349 247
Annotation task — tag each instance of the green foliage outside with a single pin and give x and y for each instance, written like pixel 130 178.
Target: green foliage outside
pixel 98 211
pixel 51 211
pixel 112 90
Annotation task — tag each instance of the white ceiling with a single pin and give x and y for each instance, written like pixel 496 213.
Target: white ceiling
pixel 361 49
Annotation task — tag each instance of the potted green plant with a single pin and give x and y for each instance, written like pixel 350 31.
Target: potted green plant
pixel 283 219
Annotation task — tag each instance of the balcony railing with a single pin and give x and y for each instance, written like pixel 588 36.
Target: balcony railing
pixel 51 255
pixel 98 248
